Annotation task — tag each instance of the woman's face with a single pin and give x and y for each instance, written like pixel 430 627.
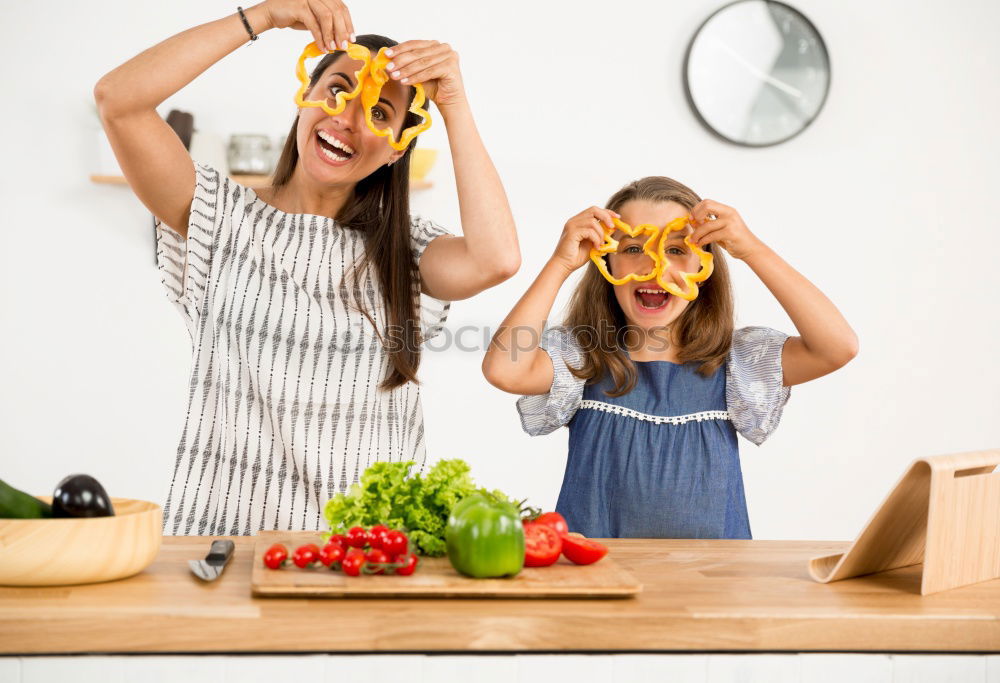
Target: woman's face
pixel 341 148
pixel 646 304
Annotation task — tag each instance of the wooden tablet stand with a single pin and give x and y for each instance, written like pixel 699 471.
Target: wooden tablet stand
pixel 944 512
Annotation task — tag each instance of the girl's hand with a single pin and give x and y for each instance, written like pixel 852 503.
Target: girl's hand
pixel 715 222
pixel 581 233
pixel 432 63
pixel 329 21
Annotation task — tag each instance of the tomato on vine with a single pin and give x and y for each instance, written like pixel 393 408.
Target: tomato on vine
pixel 305 555
pixel 331 554
pixel 395 543
pixel 353 563
pixel 275 556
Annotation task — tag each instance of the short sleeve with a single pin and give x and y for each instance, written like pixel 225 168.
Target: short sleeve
pixel 433 312
pixel 754 392
pixel 185 264
pixel 544 413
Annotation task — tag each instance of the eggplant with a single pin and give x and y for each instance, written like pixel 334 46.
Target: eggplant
pixel 80 495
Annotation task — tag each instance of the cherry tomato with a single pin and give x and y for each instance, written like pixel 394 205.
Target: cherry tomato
pixel 580 550
pixel 376 556
pixel 376 534
pixel 275 556
pixel 542 545
pixel 353 564
pixel 409 564
pixel 305 555
pixel 554 520
pixel 395 543
pixel 340 540
pixel 331 553
pixel 357 537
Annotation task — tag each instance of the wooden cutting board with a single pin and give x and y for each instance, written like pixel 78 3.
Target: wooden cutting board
pixel 434 577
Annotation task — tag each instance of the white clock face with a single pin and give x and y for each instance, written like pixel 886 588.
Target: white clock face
pixel 757 72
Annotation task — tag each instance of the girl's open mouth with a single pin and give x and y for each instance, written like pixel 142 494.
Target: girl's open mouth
pixel 332 148
pixel 649 299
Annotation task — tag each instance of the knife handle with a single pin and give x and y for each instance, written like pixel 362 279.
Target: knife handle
pixel 220 551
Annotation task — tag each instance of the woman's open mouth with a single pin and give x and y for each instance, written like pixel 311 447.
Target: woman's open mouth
pixel 649 299
pixel 333 149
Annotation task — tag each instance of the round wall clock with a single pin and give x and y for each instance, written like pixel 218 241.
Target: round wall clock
pixel 757 72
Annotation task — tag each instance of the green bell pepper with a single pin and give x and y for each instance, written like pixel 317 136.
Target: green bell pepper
pixel 485 537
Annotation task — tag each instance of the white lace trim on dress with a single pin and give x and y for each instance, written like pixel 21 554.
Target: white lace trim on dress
pixel 656 419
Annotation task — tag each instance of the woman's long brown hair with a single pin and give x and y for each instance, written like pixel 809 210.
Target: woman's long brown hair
pixel 380 208
pixel 703 332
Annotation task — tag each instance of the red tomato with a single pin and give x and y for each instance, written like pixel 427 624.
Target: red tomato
pixel 275 556
pixel 340 540
pixel 409 564
pixel 580 550
pixel 395 543
pixel 542 545
pixel 305 555
pixel 353 563
pixel 357 537
pixel 376 534
pixel 377 556
pixel 331 553
pixel 554 520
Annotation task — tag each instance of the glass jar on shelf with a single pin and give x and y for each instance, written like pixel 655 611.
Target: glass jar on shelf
pixel 250 154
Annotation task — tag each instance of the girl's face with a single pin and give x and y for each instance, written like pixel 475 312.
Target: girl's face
pixel 645 304
pixel 341 148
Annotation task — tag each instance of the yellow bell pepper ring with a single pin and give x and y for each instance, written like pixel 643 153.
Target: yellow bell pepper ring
pixel 354 51
pixel 655 247
pixel 370 79
pixel 610 246
pixel 377 78
pixel 690 279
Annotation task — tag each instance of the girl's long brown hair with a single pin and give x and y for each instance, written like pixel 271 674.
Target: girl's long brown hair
pixel 380 208
pixel 703 332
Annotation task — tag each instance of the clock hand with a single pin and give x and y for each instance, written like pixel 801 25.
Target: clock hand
pixel 767 78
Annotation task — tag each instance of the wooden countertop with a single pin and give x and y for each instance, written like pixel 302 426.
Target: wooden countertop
pixel 698 595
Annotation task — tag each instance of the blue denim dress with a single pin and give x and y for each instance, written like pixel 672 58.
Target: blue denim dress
pixel 662 461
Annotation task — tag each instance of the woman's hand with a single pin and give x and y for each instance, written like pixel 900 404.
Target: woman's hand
pixel 329 21
pixel 581 233
pixel 431 63
pixel 726 228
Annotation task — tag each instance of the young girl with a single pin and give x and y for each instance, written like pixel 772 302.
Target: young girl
pixel 302 297
pixel 654 387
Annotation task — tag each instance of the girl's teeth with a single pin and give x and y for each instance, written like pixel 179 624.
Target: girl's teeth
pixel 645 290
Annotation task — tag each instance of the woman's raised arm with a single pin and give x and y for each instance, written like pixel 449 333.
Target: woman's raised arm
pixel 487 253
pixel 151 156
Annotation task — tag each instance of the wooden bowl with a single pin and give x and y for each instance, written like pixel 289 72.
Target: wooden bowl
pixel 62 552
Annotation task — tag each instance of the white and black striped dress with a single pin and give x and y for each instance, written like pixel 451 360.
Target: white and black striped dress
pixel 284 408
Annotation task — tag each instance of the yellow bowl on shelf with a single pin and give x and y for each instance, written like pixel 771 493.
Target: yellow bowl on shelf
pixel 421 161
pixel 69 551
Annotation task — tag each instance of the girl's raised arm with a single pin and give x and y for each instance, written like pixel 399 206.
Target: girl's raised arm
pixel 514 362
pixel 826 340
pixel 152 157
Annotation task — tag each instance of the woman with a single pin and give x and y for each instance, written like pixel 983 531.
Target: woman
pixel 301 298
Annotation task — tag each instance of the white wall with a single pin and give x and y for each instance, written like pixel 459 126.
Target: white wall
pixel 573 99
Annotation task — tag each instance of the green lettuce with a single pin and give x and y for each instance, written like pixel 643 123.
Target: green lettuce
pixel 388 494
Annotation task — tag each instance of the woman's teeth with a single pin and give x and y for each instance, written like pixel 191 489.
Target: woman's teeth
pixel 334 148
pixel 651 299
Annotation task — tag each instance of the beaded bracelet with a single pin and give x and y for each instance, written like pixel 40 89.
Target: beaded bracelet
pixel 246 24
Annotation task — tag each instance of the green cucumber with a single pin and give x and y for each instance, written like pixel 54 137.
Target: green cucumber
pixel 16 504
